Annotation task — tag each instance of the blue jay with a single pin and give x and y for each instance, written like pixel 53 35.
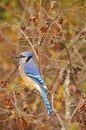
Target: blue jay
pixel 31 76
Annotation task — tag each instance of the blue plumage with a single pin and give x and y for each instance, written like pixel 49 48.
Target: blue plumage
pixel 46 102
pixel 30 71
pixel 40 82
pixel 30 67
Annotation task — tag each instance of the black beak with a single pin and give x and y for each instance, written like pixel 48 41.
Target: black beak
pixel 17 57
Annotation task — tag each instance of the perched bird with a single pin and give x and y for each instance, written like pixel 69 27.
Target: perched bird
pixel 31 76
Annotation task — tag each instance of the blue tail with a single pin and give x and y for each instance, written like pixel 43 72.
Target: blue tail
pixel 46 102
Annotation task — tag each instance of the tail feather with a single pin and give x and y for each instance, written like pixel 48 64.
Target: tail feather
pixel 46 102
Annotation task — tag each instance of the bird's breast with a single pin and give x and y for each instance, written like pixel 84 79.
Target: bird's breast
pixel 27 80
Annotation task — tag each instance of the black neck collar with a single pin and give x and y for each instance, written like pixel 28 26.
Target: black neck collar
pixel 28 58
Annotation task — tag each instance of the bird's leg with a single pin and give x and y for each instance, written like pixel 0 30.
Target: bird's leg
pixel 28 90
pixel 36 102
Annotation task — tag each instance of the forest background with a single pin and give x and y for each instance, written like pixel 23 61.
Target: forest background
pixel 55 31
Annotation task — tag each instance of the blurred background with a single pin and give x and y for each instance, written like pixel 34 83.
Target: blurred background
pixel 55 31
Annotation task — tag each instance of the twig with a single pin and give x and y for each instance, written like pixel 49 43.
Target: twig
pixel 60 120
pixel 72 42
pixel 29 42
pixel 81 102
pixel 29 95
pixel 53 20
pixel 79 56
pixel 84 78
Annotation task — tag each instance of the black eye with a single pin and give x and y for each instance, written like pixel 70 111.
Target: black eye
pixel 21 56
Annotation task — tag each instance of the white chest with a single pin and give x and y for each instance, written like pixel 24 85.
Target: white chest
pixel 27 80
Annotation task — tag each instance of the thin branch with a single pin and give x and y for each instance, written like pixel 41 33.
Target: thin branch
pixel 29 42
pixel 81 102
pixel 61 122
pixel 53 20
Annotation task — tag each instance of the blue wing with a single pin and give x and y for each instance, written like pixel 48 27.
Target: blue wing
pixel 46 102
pixel 40 82
pixel 32 71
pixel 38 79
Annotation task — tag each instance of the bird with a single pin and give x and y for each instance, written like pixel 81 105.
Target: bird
pixel 32 78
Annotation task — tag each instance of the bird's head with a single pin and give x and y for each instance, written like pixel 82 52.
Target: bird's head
pixel 24 57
